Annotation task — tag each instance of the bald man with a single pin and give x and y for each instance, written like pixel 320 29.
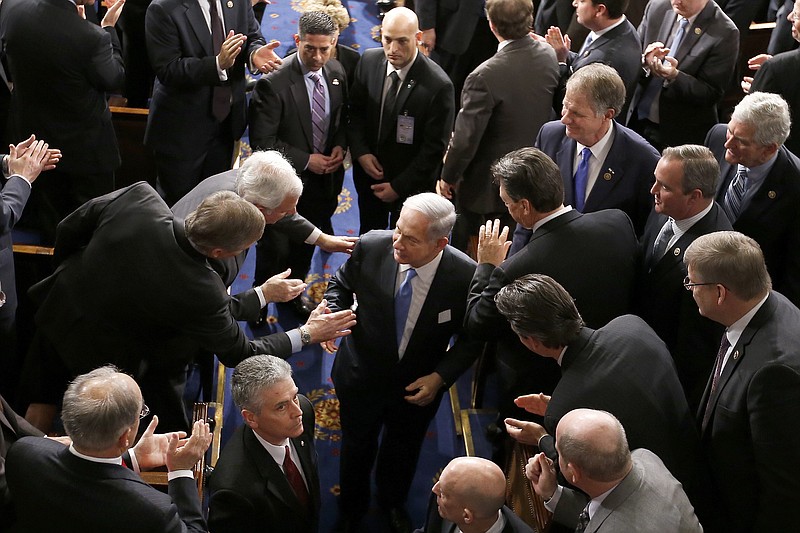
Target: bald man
pixel 627 492
pixel 402 109
pixel 470 496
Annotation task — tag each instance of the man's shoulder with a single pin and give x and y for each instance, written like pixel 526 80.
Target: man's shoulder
pixel 642 148
pixel 430 74
pixel 233 463
pixel 552 131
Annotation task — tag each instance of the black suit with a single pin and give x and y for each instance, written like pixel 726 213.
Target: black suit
pixel 250 492
pixel 71 114
pixel 426 96
pixel 592 255
pixel 189 143
pixel 436 524
pixel 625 369
pixel 753 435
pixel 161 304
pixel 663 302
pixel 370 378
pixel 777 76
pixel 281 119
pixel 771 216
pixel 12 428
pixel 82 495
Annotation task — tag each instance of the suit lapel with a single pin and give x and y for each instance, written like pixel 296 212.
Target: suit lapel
pixel 335 97
pixel 304 451
pixel 566 159
pixel 299 94
pixel 616 498
pixel 649 243
pixel 274 478
pixel 694 32
pixel 409 84
pixel 771 189
pixel 229 16
pixel 610 172
pixel 198 23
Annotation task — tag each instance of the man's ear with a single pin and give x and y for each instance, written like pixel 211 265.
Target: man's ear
pixel 249 419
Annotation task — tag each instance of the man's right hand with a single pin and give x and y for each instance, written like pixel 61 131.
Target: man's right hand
pixel 560 44
pixel 429 40
pixel 279 288
pixel 28 162
pixel 184 455
pixel 318 163
pixel 53 154
pixel 542 474
pixel 323 325
pixel 371 166
pixel 112 15
pixel 493 244
pixel 533 403
pixel 231 47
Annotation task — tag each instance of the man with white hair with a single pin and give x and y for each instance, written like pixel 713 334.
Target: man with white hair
pixel 759 185
pixel 412 289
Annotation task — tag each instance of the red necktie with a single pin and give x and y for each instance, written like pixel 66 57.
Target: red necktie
pixel 295 479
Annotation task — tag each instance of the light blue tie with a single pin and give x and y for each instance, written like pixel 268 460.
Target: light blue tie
pixel 581 179
pixel 402 302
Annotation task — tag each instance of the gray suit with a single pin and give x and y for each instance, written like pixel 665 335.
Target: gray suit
pixel 648 499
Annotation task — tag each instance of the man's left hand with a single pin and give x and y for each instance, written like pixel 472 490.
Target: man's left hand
pixel 265 59
pixel 384 192
pixel 493 244
pixel 426 387
pixel 524 431
pixel 151 450
pixel 335 243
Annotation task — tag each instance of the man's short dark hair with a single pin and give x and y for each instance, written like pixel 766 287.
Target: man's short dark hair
pixel 316 23
pixel 530 174
pixel 511 18
pixel 615 8
pixel 537 306
pixel 700 167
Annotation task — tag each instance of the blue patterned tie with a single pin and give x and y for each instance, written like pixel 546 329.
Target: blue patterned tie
pixel 655 85
pixel 402 302
pixel 735 194
pixel 581 179
pixel 318 113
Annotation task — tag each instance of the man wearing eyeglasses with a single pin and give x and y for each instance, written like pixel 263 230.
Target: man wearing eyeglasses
pixel 684 209
pixel 750 412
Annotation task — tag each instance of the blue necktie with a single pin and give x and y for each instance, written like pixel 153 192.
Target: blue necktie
pixel 735 194
pixel 582 178
pixel 402 302
pixel 654 87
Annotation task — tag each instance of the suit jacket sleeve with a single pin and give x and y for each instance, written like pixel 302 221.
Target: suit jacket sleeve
pixel 483 319
pixel 569 507
pixel 774 409
pixel 477 104
pixel 426 11
pixel 342 285
pixel 107 72
pixel 357 136
pixel 13 197
pixel 183 492
pixel 231 512
pixel 164 49
pixel 765 80
pixel 245 305
pixel 266 111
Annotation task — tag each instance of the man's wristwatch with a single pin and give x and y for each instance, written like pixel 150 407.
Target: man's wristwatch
pixel 305 335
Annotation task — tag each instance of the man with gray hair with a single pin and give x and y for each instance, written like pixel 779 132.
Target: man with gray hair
pixel 133 288
pixel 101 413
pixel 411 288
pixel 686 182
pixel 267 474
pixel 759 185
pixel 627 492
pixel 750 412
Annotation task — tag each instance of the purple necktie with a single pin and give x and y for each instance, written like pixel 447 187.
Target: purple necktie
pixel 318 113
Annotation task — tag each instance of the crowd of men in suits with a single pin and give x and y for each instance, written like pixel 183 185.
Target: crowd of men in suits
pixel 646 252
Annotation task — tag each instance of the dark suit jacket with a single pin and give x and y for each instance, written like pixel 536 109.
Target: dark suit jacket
pixel 250 492
pixel 280 115
pixel 453 20
pixel 72 114
pixel 427 97
pixel 771 217
pixel 753 435
pixel 626 175
pixel 706 62
pixel 132 291
pixel 13 195
pixel 436 524
pixel 618 48
pixel 367 359
pixel 592 255
pixel 179 44
pixel 86 496
pixel 615 369
pixel 777 76
pixel 663 302
pixel 647 500
pixel 503 104
pixel 12 428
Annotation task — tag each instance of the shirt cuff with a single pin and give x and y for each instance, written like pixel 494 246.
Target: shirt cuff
pixel 552 503
pixel 294 338
pixel 223 76
pixel 313 237
pixel 262 300
pixel 175 474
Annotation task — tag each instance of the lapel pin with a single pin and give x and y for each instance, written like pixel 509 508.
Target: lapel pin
pixel 772 195
pixel 676 252
pixel 335 81
pixel 736 355
pixel 608 175
pixel 586 53
pixel 302 443
pixel 698 31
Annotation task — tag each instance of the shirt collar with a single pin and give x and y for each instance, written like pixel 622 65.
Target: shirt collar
pixel 682 226
pixel 278 453
pixel 601 148
pixel 557 213
pixel 596 34
pixel 757 174
pixel 106 460
pixel 734 332
pixel 403 72
pixel 427 271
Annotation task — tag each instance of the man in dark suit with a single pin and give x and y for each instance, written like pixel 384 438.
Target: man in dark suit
pixel 619 169
pixel 759 185
pixel 20 168
pixel 253 485
pixel 686 178
pixel 470 496
pixel 300 110
pixel 101 414
pixel 676 101
pixel 627 491
pixel 612 40
pixel 401 118
pixel 411 288
pixel 198 106
pixel 593 255
pixel 750 412
pixel 163 302
pixel 12 428
pixel 71 114
pixel 504 103
pixel 611 368
pixel 456 36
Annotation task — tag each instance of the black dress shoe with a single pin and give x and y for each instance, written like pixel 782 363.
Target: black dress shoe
pixel 399 521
